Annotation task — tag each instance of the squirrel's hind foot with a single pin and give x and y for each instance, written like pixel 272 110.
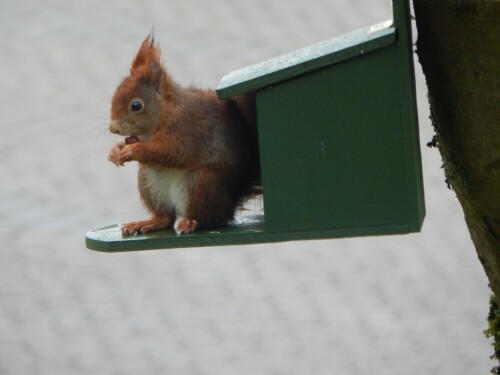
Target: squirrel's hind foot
pixel 139 227
pixel 186 226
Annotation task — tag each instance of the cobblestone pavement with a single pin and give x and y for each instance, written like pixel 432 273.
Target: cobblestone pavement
pixel 411 304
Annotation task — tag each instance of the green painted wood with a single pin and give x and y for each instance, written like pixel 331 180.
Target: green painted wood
pixel 334 151
pixel 306 60
pixel 251 231
pixel 408 109
pixel 110 239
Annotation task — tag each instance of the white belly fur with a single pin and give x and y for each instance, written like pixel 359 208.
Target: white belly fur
pixel 168 188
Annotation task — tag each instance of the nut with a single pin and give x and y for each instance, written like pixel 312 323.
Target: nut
pixel 131 139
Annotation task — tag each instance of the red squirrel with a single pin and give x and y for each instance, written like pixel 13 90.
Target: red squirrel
pixel 197 154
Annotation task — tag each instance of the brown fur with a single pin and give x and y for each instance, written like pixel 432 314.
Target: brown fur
pixel 206 147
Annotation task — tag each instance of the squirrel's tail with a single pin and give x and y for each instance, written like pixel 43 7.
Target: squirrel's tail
pixel 247 106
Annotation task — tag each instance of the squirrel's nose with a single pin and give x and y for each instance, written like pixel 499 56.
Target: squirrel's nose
pixel 113 127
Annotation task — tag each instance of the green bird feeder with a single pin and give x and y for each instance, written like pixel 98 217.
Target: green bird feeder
pixel 339 144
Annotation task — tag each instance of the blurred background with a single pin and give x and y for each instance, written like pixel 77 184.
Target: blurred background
pixel 413 304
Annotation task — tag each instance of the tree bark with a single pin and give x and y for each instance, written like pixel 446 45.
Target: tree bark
pixel 459 49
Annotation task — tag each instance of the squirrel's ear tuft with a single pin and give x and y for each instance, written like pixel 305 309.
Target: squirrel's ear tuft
pixel 147 56
pixel 147 65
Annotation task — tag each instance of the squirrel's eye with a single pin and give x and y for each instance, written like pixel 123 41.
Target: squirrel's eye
pixel 136 105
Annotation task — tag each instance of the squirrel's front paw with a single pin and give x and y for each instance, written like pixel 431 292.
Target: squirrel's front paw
pixel 127 154
pixel 114 154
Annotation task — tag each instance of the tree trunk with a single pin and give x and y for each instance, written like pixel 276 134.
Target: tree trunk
pixel 459 49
